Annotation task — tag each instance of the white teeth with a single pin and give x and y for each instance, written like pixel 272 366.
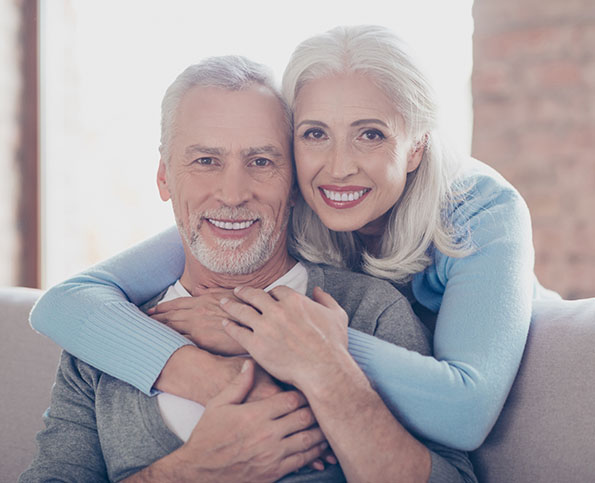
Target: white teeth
pixel 344 196
pixel 228 225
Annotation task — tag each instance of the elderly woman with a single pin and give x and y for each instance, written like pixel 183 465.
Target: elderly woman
pixel 382 194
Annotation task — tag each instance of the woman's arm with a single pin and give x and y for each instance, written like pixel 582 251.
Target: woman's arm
pixel 484 302
pixel 94 315
pixel 303 343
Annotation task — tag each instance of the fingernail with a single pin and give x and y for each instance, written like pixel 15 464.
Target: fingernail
pixel 318 465
pixel 224 300
pixel 244 367
pixel 225 322
pixel 237 290
pixel 330 459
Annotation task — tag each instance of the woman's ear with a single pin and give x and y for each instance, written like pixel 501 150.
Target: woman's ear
pixel 162 181
pixel 416 153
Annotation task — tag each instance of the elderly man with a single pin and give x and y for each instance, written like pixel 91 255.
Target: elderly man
pixel 227 168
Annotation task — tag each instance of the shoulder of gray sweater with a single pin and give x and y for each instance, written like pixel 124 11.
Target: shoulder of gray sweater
pixel 352 288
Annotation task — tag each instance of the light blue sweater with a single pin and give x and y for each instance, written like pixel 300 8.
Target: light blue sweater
pixel 483 302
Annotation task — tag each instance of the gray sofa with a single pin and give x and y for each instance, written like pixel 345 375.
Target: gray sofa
pixel 545 434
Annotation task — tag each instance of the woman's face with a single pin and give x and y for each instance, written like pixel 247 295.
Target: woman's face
pixel 351 152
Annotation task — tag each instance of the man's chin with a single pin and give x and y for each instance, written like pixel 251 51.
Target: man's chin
pixel 229 262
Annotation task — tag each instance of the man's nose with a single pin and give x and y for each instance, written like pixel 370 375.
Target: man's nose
pixel 341 162
pixel 233 185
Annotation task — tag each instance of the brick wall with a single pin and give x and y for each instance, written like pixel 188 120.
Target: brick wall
pixel 534 121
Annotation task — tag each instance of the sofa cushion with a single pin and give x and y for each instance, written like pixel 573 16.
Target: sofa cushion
pixel 545 432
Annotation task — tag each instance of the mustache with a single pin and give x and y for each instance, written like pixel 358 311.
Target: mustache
pixel 230 213
pixel 227 213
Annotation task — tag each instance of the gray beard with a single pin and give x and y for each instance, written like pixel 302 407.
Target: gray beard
pixel 229 257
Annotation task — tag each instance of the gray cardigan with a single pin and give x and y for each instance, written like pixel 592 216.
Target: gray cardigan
pixel 101 429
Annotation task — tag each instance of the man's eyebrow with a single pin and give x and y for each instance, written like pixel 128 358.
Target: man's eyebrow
pixel 200 148
pixel 266 149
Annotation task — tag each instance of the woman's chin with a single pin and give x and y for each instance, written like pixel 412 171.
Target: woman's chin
pixel 343 226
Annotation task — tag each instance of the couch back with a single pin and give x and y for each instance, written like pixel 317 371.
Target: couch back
pixel 545 433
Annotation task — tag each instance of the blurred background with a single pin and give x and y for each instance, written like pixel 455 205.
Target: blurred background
pixel 81 84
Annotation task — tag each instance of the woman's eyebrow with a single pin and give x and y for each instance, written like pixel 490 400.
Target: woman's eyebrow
pixel 311 122
pixel 360 122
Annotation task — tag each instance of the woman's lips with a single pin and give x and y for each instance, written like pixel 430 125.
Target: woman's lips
pixel 342 197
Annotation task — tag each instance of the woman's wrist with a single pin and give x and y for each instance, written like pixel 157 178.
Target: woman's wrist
pixel 196 374
pixel 322 379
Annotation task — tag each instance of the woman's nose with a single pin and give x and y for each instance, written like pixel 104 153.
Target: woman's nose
pixel 341 163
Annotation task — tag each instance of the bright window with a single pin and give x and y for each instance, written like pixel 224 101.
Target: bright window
pixel 105 66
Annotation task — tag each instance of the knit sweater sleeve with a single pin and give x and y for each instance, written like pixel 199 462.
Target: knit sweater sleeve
pixel 94 315
pixel 68 448
pixel 484 304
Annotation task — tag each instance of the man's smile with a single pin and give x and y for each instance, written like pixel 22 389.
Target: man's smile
pixel 231 225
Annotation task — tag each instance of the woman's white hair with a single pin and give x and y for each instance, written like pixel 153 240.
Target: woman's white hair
pixel 418 221
pixel 230 72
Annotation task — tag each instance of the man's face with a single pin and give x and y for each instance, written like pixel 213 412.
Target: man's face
pixel 230 177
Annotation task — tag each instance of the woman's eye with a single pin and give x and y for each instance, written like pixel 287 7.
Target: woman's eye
pixel 314 133
pixel 373 135
pixel 261 162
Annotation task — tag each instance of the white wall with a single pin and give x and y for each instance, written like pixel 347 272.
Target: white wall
pixel 107 64
pixel 9 130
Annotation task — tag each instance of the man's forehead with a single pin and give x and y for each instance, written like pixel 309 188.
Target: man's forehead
pixel 268 149
pixel 215 121
pixel 258 98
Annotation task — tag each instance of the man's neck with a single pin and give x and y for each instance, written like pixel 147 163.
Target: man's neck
pixel 196 275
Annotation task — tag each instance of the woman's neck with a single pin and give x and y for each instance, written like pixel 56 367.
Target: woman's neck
pixel 372 243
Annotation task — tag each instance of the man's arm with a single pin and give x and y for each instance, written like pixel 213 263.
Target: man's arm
pixel 68 447
pixel 233 441
pixel 242 442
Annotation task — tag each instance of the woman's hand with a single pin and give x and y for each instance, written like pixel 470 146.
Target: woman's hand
pixel 199 319
pixel 291 336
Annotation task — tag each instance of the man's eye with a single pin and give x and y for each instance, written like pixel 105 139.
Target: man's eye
pixel 204 161
pixel 373 135
pixel 261 162
pixel 314 133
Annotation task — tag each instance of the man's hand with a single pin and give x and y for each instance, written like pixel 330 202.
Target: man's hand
pixel 199 319
pixel 243 441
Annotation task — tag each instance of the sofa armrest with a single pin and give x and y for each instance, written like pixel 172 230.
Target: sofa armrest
pixel 28 361
pixel 545 432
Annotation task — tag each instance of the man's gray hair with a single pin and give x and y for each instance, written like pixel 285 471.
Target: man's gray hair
pixel 230 72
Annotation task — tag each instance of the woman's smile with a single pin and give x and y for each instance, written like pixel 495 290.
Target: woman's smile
pixel 352 153
pixel 342 197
